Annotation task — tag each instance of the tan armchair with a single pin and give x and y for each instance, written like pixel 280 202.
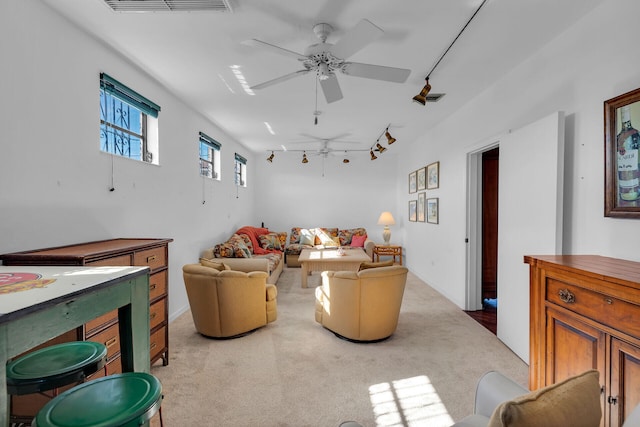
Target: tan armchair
pixel 361 306
pixel 228 304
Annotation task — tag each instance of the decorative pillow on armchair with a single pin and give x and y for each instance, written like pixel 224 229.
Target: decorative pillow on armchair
pixel 574 402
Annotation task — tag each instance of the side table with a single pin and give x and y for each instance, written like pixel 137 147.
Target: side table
pixel 387 250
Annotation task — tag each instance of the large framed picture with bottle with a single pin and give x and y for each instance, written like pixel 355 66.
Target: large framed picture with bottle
pixel 621 156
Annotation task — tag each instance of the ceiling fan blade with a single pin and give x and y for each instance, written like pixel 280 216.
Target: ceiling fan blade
pixel 355 39
pixel 280 79
pixel 378 72
pixel 275 49
pixel 331 89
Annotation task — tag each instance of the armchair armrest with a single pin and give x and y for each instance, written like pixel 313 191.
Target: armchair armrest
pixel 493 389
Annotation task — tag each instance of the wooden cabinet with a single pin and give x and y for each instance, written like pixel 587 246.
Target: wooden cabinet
pixel 585 312
pixel 153 253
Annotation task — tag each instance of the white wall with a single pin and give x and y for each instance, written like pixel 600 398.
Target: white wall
pixel 292 194
pixel 54 180
pixel 591 62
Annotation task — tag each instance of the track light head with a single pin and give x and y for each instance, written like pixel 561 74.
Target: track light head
pixel 390 139
pixel 304 158
pixel 380 148
pixel 373 156
pixel 421 98
pixel 270 158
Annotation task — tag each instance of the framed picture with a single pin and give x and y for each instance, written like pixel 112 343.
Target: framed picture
pixel 422 179
pixel 432 210
pixel 621 156
pixel 433 175
pixel 412 182
pixel 421 206
pixel 412 210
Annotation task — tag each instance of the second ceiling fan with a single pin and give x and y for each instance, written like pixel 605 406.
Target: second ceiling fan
pixel 326 59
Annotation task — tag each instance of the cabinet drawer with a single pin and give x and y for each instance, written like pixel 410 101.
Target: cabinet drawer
pixel 110 338
pixel 97 323
pixel 153 258
pixel 157 285
pixel 594 305
pixel 157 312
pixel 121 260
pixel 157 342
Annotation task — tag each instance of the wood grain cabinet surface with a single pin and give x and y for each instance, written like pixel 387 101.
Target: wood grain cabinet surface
pixel 585 314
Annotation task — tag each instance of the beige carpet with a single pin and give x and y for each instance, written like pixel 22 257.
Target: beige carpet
pixel 293 372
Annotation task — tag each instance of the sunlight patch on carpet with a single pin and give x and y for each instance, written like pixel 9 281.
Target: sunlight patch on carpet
pixel 408 402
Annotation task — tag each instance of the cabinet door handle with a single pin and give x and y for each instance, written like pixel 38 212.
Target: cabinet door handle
pixel 151 258
pixel 566 296
pixel 608 301
pixel 152 346
pixel 152 287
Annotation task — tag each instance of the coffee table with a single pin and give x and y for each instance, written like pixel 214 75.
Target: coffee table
pixel 329 259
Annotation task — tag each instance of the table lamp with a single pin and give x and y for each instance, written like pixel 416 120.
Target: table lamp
pixel 386 219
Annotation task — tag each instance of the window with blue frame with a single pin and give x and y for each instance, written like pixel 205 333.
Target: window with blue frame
pixel 240 169
pixel 209 157
pixel 128 122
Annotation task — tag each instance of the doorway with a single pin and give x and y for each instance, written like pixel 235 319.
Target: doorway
pixel 485 311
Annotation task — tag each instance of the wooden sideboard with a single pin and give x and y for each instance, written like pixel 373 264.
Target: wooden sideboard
pixel 585 314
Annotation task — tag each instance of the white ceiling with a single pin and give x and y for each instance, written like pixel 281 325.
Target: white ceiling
pixel 192 54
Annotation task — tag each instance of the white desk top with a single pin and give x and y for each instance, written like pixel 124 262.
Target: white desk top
pixel 27 286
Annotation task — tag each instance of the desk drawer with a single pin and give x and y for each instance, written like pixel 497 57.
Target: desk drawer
pixel 157 285
pixel 122 260
pixel 594 305
pixel 158 342
pixel 157 312
pixel 153 258
pixel 110 338
pixel 99 322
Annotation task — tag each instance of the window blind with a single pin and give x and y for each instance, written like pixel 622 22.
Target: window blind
pixel 130 96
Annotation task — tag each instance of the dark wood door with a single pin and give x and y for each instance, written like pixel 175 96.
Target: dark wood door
pixel 625 381
pixel 490 166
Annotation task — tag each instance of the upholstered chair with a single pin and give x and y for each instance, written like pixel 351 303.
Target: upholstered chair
pixel 361 306
pixel 228 304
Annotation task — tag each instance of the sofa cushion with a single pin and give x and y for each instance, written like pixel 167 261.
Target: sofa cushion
pixel 574 402
pixel 295 249
pixel 240 249
pixel 306 237
pixel 366 265
pixel 220 266
pixel 358 241
pixel 324 236
pixel 224 250
pixel 270 241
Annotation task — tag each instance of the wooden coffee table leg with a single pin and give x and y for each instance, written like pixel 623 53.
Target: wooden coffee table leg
pixel 305 272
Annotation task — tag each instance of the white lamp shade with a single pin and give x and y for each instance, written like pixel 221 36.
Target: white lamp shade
pixel 386 219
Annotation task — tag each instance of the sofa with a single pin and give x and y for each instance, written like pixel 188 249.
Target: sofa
pixel 226 303
pixel 322 237
pixel 252 249
pixel 361 306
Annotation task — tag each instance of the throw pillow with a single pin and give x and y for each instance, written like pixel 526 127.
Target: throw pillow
pixel 220 266
pixel 223 250
pixel 307 237
pixel 240 249
pixel 574 402
pixel 358 241
pixel 323 238
pixel 270 241
pixel 366 265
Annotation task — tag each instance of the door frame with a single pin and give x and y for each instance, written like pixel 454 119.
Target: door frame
pixel 473 275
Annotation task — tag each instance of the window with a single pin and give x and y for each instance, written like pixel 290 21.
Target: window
pixel 128 122
pixel 209 157
pixel 240 170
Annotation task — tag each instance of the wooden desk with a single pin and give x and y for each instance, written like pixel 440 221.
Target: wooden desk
pixel 44 302
pixel 387 250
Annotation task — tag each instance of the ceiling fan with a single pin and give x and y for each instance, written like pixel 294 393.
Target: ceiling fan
pixel 324 150
pixel 326 59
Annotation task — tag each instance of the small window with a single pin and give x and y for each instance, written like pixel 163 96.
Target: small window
pixel 128 122
pixel 209 157
pixel 240 170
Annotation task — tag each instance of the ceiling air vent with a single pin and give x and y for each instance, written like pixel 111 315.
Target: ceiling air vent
pixel 434 97
pixel 169 5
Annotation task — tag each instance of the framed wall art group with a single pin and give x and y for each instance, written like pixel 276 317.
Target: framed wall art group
pixel 424 209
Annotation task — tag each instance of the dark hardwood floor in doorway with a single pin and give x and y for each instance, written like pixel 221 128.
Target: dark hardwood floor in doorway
pixel 486 317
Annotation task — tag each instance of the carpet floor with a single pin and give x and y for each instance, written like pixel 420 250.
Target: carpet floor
pixel 293 372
